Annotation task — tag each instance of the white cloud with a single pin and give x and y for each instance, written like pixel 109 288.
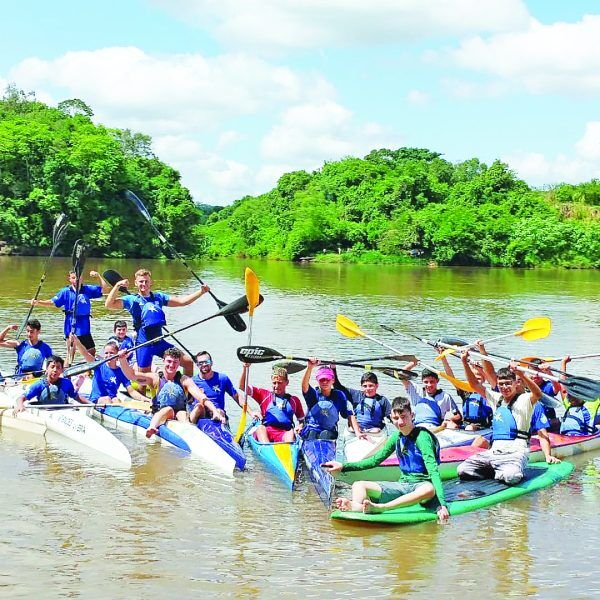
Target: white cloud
pixel 228 138
pixel 288 24
pixel 417 97
pixel 561 57
pixel 474 90
pixel 309 134
pixel 582 165
pixel 168 93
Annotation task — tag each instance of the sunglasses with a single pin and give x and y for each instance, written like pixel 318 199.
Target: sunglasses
pixel 200 363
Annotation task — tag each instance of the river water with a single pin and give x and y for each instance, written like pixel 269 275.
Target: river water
pixel 172 528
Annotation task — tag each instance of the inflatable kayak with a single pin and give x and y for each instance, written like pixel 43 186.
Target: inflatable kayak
pixel 356 449
pixel 467 496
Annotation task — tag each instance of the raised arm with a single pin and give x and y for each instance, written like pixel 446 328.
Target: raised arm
pixel 488 367
pixel 176 301
pixel 112 302
pixel 312 363
pixel 4 343
pixel 473 382
pixel 105 286
pixel 531 385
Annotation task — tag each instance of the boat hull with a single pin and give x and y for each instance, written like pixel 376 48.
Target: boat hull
pixel 280 457
pixel 315 453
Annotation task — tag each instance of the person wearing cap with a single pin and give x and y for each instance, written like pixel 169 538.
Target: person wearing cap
pixel 278 408
pixel 215 385
pixel 325 405
pixel 579 416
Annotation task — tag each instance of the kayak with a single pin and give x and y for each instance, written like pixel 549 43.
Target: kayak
pixel 222 436
pixel 315 453
pixel 356 449
pixel 74 424
pixel 280 457
pixel 182 435
pixel 467 496
pixel 452 438
pixel 563 446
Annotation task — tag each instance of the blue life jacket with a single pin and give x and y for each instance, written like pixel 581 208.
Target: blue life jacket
pixel 476 410
pixel 279 413
pixel 31 359
pixel 428 411
pixel 410 459
pixel 148 316
pixel 323 415
pixel 504 426
pixel 369 411
pixel 170 393
pixel 577 421
pixel 52 394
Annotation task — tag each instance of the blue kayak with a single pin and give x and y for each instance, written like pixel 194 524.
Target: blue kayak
pixel 119 416
pixel 280 457
pixel 223 437
pixel 315 453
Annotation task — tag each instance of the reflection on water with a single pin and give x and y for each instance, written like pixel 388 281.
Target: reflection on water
pixel 172 527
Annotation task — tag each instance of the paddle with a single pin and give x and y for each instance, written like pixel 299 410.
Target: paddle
pixel 252 286
pixel 78 260
pixel 262 354
pixel 238 306
pixel 113 277
pixel 350 329
pixel 235 321
pixel 58 233
pixel 533 329
pixel 584 388
pixel 577 357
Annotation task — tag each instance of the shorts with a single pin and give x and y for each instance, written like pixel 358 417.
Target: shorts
pixel 275 434
pixel 144 355
pixel 314 434
pixel 177 408
pixel 390 490
pixel 87 340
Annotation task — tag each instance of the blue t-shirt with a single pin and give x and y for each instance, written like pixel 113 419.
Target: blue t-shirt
pixel 215 388
pixel 324 411
pixel 65 299
pixel 31 358
pixel 47 393
pixel 125 344
pixel 147 313
pixel 106 382
pixel 539 420
pixel 370 412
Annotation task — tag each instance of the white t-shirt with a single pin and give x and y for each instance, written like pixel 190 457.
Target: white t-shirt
pixel 521 409
pixel 444 399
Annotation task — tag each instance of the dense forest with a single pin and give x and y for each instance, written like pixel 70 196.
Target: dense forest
pixel 390 206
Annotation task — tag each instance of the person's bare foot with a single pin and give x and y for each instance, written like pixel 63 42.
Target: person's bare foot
pixel 370 507
pixel 150 432
pixel 343 504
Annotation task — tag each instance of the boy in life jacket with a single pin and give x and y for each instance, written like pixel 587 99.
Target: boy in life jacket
pixel 31 352
pixel 580 415
pixel 53 388
pixel 123 341
pixel 325 406
pixel 174 393
pixel 278 408
pixel 418 454
pixel 370 407
pixel 508 455
pixel 434 409
pixel 146 309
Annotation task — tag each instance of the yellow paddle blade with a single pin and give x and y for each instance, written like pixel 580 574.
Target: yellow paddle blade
pixel 446 352
pixel 252 290
pixel 535 329
pixel 457 383
pixel 347 327
pixel 242 426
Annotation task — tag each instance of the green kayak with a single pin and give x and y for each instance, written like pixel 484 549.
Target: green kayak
pixel 466 496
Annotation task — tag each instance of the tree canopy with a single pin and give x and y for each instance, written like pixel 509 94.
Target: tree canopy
pixel 388 206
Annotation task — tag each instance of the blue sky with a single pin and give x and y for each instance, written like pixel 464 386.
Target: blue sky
pixel 237 92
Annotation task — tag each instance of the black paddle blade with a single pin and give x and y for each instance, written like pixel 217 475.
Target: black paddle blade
pixel 235 321
pixel 80 368
pixel 78 258
pixel 257 354
pixel 583 388
pixel 113 277
pixel 291 366
pixel 401 374
pixel 453 341
pixel 236 307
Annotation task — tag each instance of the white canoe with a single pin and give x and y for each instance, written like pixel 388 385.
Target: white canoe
pixel 74 424
pixel 356 449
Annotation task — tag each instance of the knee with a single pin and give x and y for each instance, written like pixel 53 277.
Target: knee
pixel 510 476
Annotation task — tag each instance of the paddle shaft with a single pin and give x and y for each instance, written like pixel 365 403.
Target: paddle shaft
pixel 578 357
pixel 234 320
